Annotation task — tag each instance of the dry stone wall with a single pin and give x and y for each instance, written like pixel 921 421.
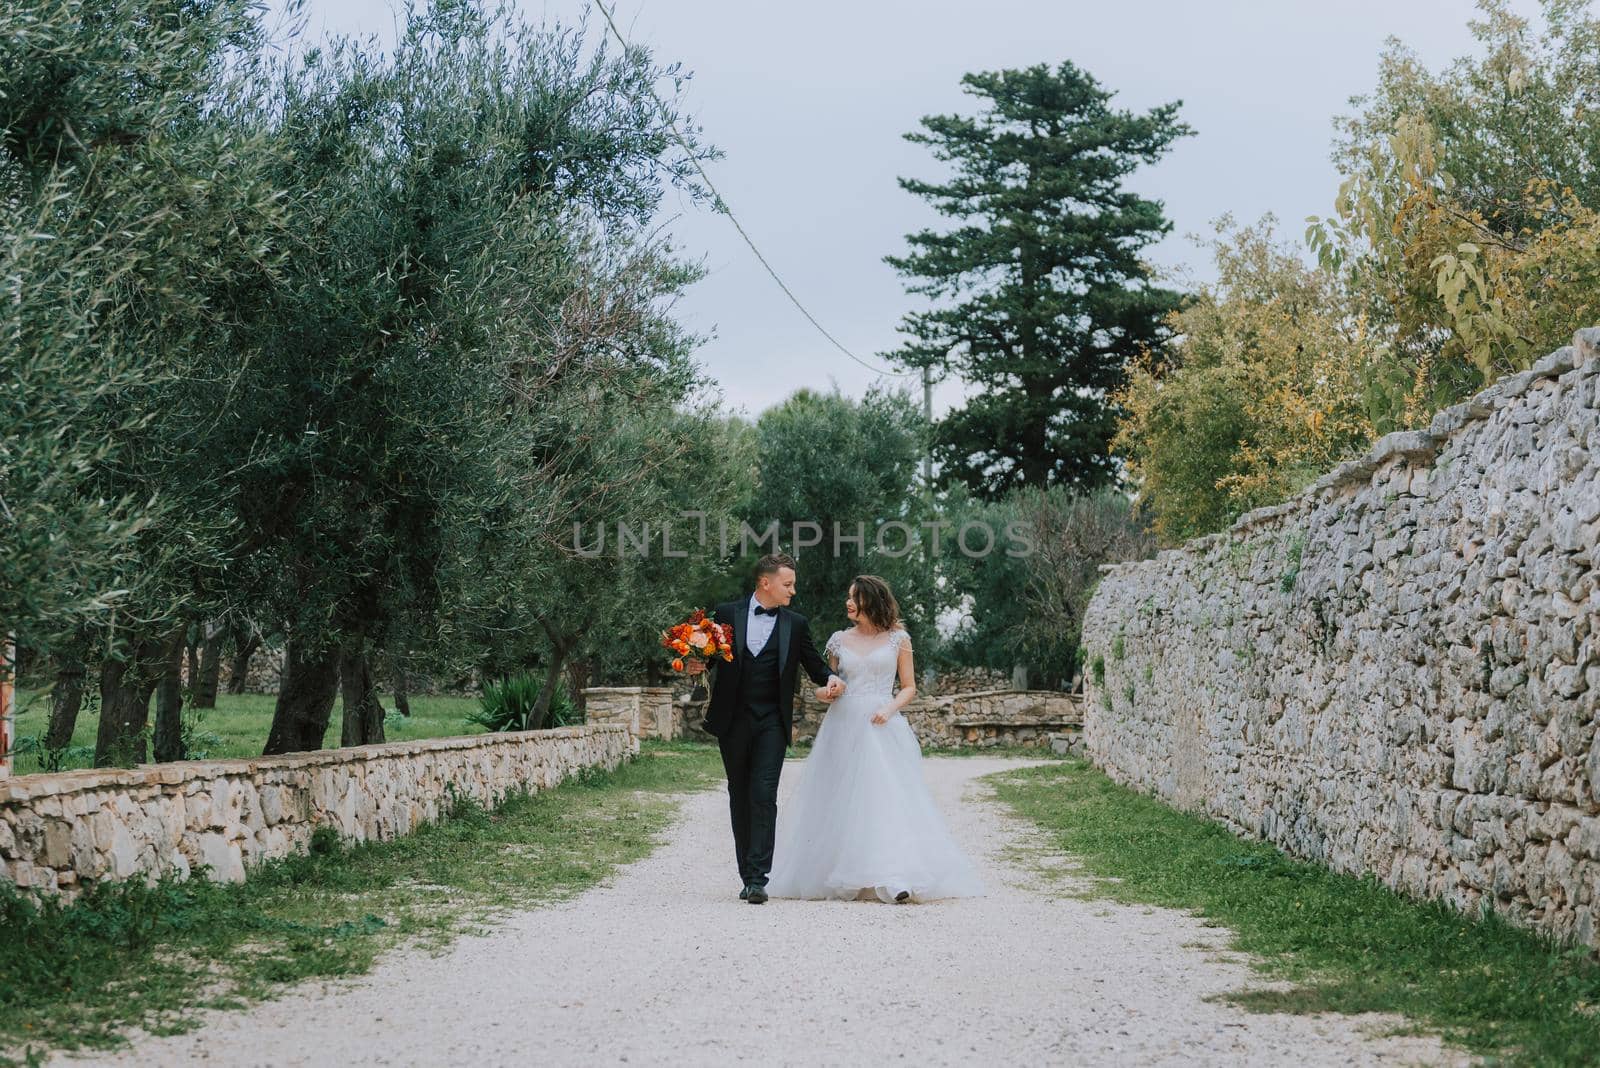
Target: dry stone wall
pixel 647 711
pixel 1395 672
pixel 59 832
pixel 1033 718
pixel 952 681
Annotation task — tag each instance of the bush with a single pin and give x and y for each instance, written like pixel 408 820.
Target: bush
pixel 1029 609
pixel 508 705
pixel 1259 396
pixel 564 710
pixel 50 759
pixel 325 841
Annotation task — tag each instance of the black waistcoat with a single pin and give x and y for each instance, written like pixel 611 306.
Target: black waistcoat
pixel 758 679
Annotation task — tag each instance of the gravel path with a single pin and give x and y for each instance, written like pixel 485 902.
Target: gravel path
pixel 663 964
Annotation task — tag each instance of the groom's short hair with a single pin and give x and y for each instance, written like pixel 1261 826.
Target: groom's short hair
pixel 772 563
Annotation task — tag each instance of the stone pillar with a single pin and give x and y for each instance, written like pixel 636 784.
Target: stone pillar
pixel 647 711
pixel 659 714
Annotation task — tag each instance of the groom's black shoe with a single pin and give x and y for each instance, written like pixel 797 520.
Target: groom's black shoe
pixel 744 895
pixel 758 894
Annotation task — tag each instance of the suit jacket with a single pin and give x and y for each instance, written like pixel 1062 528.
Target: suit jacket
pixel 795 650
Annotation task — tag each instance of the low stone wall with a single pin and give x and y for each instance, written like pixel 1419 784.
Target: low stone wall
pixel 1042 718
pixel 1397 671
pixel 998 717
pixel 949 682
pixel 59 832
pixel 952 681
pixel 982 719
pixel 647 711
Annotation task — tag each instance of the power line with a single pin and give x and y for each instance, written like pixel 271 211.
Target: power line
pixel 721 200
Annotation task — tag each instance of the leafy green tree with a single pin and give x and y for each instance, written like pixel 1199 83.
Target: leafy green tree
pixel 700 494
pixel 1465 228
pixel 1462 247
pixel 1042 298
pixel 307 345
pixel 1026 608
pixel 1260 393
pixel 469 292
pixel 849 466
pixel 614 588
pixel 133 202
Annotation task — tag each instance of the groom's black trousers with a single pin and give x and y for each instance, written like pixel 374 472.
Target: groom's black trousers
pixel 752 755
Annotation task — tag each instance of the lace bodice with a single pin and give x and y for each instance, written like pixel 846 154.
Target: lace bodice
pixel 868 668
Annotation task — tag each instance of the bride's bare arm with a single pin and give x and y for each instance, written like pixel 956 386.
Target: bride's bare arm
pixel 824 694
pixel 908 684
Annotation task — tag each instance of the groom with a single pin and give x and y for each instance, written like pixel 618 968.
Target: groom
pixel 752 709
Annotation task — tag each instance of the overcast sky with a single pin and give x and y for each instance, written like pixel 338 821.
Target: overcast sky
pixel 809 102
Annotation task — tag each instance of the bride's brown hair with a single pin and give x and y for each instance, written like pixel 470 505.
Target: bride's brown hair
pixel 876 601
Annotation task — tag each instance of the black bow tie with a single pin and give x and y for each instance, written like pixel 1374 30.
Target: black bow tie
pixel 766 611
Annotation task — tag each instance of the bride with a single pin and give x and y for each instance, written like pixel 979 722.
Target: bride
pixel 861 822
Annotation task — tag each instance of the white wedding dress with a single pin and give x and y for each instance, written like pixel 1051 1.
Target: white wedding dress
pixel 861 819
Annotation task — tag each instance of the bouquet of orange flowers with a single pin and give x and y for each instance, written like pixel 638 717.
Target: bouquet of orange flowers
pixel 698 638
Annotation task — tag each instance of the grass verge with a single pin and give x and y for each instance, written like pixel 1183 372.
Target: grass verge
pixel 1349 945
pixel 129 954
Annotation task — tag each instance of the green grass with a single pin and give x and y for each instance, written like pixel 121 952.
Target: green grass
pixel 237 727
pixel 1291 570
pixel 125 953
pixel 1350 945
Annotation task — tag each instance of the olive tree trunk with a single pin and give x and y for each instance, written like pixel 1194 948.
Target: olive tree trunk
pixel 363 712
pixel 204 682
pixel 245 643
pixel 66 698
pixel 126 684
pixel 305 698
pixel 169 704
pixel 402 687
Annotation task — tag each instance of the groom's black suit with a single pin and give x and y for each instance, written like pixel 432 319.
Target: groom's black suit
pixel 752 716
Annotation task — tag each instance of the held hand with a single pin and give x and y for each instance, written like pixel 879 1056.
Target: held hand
pixel 835 687
pixel 824 694
pixel 695 667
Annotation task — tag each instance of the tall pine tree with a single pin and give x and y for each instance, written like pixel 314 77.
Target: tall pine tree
pixel 1040 294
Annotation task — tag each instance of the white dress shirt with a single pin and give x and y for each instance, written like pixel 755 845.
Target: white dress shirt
pixel 757 629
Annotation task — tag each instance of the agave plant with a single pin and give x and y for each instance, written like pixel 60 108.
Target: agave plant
pixel 507 705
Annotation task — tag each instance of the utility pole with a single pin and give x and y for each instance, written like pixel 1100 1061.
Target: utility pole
pixel 8 700
pixel 929 676
pixel 927 422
